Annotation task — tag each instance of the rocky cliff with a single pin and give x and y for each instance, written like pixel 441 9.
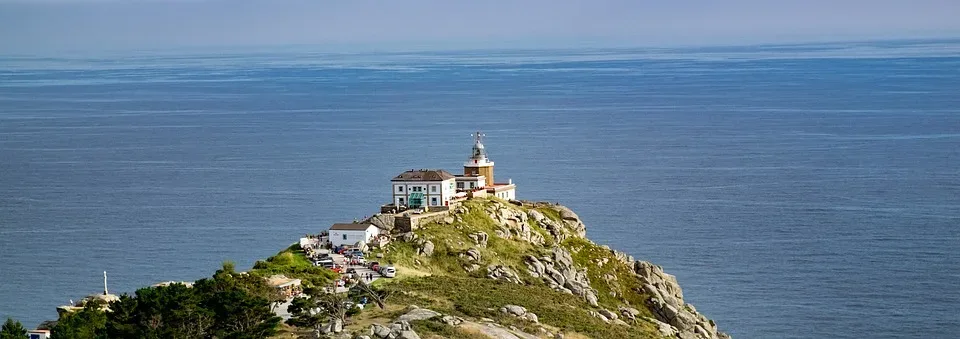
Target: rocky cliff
pixel 501 269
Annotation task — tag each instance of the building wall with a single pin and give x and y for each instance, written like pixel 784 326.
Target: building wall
pixel 352 237
pixel 412 222
pixel 486 171
pixel 442 191
pixel 510 194
pixel 478 181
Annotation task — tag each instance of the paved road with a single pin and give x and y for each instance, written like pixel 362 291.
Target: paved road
pixel 281 309
pixel 361 270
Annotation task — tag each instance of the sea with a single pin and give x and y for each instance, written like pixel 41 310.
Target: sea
pixel 796 191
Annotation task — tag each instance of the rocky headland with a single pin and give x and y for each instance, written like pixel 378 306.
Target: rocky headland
pixel 485 268
pixel 498 269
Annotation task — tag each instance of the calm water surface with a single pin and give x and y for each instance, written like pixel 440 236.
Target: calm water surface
pixel 795 191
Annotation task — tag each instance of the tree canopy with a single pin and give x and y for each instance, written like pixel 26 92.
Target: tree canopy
pixel 227 305
pixel 12 330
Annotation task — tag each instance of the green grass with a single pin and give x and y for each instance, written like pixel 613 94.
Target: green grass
pixel 452 240
pixel 293 263
pixel 551 213
pixel 477 297
pixel 434 328
pixel 439 281
pixel 586 254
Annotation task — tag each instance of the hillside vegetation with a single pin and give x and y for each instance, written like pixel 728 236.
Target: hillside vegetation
pixel 490 253
pixel 487 269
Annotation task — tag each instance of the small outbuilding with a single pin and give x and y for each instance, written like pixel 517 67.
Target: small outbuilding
pixel 38 334
pixel 288 287
pixel 351 234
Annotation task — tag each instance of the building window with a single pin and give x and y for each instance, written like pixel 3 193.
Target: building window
pixel 399 188
pixel 460 185
pixel 433 201
pixel 344 237
pixel 433 188
pixel 473 184
pixel 400 201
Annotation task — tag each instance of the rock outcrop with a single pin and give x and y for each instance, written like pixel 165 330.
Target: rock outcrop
pixel 499 272
pixel 520 312
pixel 512 224
pixel 552 251
pixel 572 220
pixel 417 313
pixel 401 328
pixel 397 330
pixel 382 221
pixel 480 239
pixel 559 230
pixel 558 272
pixel 426 248
pixel 666 303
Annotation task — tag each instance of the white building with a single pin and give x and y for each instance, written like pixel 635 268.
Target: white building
pixel 351 234
pixel 506 191
pixel 418 188
pixel 466 183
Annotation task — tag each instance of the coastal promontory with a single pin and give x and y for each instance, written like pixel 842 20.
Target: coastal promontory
pixel 519 269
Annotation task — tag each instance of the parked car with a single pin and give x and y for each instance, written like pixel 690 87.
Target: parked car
pixel 323 262
pixel 389 272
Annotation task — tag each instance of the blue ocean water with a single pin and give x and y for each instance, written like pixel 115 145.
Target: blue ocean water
pixel 795 191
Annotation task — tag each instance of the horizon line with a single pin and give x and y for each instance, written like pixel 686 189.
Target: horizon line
pixel 428 47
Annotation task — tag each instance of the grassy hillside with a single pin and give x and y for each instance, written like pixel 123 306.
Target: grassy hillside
pixel 441 282
pixel 293 263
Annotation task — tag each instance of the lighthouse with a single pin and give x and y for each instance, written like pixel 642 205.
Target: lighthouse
pixel 478 164
pixel 436 187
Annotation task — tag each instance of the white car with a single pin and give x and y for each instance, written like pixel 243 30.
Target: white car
pixel 389 272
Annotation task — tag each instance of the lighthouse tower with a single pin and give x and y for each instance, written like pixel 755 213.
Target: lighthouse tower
pixel 478 163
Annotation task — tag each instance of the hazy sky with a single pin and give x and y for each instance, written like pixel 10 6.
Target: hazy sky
pixel 88 25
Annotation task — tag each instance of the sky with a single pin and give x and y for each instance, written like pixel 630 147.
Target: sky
pixel 35 26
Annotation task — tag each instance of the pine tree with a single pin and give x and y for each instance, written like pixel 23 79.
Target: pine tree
pixel 12 330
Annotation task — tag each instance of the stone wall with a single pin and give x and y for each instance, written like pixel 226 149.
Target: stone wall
pixel 407 223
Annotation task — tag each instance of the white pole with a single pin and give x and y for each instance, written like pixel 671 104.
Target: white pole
pixel 105 283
